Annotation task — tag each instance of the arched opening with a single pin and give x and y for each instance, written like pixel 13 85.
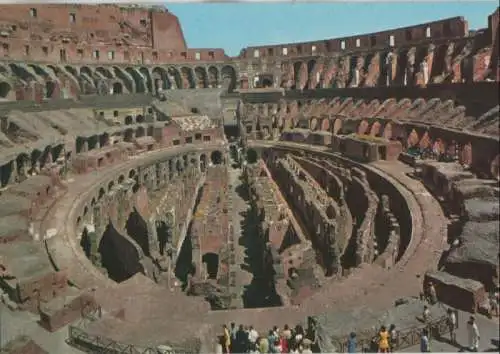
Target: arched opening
pixel 252 156
pixel 86 243
pixel 187 78
pixel 201 77
pixel 104 139
pixel 104 72
pixel 175 76
pixel 160 77
pixel 137 228
pixel 118 256
pixel 203 162
pixel 126 78
pixel 211 261
pixel 117 88
pixel 164 233
pixel 216 157
pixel 50 88
pixel 140 85
pixel 213 76
pixel 129 120
pixel 4 89
pixel 139 118
pixel 296 75
pixel 228 78
pixel 6 173
pixel 146 76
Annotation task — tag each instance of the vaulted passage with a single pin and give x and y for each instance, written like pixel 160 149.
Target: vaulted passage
pixel 137 229
pixel 118 256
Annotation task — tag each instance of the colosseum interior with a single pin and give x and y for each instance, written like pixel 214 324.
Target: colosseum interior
pixel 151 192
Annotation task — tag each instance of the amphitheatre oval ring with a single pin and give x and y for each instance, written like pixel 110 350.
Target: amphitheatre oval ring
pixel 151 196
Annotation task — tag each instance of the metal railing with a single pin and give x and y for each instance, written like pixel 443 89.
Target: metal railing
pixel 407 337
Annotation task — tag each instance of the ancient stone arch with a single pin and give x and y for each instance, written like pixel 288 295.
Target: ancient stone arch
pixel 375 129
pixel 228 77
pixel 325 124
pixel 314 124
pixel 363 127
pixel 412 138
pixel 425 141
pixel 201 77
pixel 337 126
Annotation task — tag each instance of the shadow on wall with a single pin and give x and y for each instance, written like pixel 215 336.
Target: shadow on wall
pixel 118 256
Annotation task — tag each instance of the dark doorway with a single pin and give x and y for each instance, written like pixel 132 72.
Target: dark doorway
pixel 216 157
pixel 118 256
pixel 211 261
pixel 137 228
pixel 252 156
pixel 117 88
pixel 86 243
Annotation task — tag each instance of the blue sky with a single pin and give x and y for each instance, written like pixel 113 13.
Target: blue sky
pixel 233 26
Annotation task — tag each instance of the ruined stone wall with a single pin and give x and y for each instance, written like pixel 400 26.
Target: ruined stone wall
pixel 447 28
pixel 316 210
pixel 118 34
pixel 387 232
pixel 210 225
pixel 365 216
pixel 334 187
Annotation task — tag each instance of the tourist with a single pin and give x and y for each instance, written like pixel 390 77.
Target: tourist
pixel 285 348
pixel 432 294
pixel 226 340
pixel 452 325
pixel 272 338
pixel 264 345
pixel 473 334
pixel 424 342
pixel 426 315
pixel 393 337
pixel 352 343
pixel 383 340
pixel 299 334
pixel 276 331
pixel 233 331
pixel 241 344
pixel 287 333
pixel 253 336
pixel 285 338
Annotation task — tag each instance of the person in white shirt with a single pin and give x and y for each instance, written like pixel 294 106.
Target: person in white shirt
pixel 473 334
pixel 253 335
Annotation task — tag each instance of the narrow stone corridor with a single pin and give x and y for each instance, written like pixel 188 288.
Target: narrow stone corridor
pixel 240 270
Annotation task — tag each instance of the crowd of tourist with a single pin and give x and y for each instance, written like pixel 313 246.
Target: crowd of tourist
pixel 246 339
